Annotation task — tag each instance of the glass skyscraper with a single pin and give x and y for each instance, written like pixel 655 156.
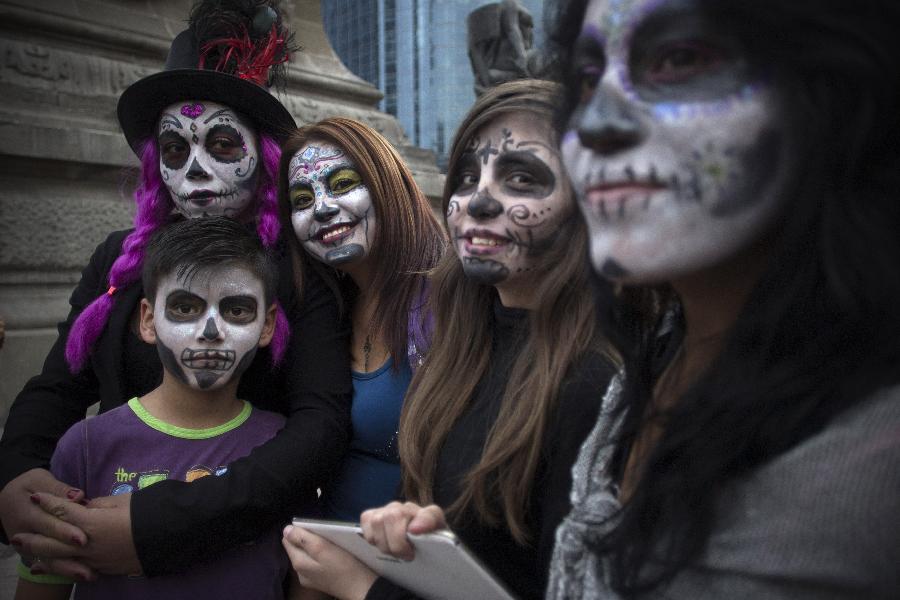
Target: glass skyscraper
pixel 415 52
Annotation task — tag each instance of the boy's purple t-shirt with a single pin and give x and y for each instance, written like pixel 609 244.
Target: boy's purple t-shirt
pixel 127 449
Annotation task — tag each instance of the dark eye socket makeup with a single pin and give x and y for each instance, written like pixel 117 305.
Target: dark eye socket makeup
pixel 173 149
pixel 225 143
pixel 678 54
pixel 467 173
pixel 524 173
pixel 675 54
pixel 238 309
pixel 588 65
pixel 182 306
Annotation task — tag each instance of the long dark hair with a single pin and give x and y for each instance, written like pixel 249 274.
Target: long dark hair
pixel 562 328
pixel 408 239
pixel 821 329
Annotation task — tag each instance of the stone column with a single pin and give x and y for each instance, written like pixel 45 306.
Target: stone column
pixel 65 169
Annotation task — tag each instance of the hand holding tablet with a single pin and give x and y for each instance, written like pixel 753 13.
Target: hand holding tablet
pixel 441 567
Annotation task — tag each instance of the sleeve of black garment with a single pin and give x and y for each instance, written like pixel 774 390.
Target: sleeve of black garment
pixel 175 524
pixel 578 407
pixel 53 401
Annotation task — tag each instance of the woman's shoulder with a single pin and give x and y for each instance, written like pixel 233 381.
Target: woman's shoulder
pixel 827 508
pixel 868 434
pixel 855 455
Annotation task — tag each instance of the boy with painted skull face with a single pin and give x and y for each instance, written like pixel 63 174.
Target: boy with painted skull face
pixel 209 304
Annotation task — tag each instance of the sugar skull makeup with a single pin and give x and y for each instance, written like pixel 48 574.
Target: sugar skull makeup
pixel 510 197
pixel 208 158
pixel 676 148
pixel 331 209
pixel 208 328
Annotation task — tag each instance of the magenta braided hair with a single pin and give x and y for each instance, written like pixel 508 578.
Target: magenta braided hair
pixel 268 228
pixel 154 209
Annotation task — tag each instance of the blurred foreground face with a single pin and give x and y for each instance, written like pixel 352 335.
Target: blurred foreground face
pixel 510 196
pixel 676 148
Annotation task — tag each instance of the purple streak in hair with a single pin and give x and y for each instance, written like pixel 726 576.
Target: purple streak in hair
pixel 268 227
pixel 280 336
pixel 153 209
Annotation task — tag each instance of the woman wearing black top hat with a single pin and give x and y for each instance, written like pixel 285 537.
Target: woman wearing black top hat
pixel 207 133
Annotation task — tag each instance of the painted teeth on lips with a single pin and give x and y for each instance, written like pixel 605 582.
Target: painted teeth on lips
pixel 209 359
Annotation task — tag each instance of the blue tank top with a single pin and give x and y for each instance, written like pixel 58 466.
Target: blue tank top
pixel 370 474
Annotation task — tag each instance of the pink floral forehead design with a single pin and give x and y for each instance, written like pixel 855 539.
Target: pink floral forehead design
pixel 192 110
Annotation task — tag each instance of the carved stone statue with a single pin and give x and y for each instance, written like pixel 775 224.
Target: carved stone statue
pixel 500 39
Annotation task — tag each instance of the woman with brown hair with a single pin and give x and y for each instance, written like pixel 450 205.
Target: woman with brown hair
pixel 495 417
pixel 354 205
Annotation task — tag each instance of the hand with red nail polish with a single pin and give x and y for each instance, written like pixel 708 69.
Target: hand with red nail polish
pixel 31 519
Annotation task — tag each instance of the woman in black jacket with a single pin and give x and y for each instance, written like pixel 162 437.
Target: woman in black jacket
pixel 208 141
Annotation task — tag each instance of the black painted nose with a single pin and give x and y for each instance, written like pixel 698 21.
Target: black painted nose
pixel 325 213
pixel 195 171
pixel 484 206
pixel 210 332
pixel 607 125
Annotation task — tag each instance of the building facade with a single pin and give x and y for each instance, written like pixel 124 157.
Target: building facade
pixel 415 52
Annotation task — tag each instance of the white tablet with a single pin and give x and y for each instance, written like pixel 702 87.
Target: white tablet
pixel 442 570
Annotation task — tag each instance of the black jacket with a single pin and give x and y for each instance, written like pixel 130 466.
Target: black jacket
pixel 523 569
pixel 174 523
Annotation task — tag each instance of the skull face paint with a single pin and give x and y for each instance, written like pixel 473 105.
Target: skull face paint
pixel 208 328
pixel 331 209
pixel 208 158
pixel 676 149
pixel 511 195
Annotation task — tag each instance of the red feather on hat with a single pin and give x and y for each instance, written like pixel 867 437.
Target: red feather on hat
pixel 245 38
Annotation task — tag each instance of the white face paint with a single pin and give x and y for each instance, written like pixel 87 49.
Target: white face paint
pixel 511 194
pixel 331 210
pixel 208 328
pixel 208 158
pixel 676 151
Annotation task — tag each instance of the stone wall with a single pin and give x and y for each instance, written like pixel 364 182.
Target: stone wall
pixel 65 169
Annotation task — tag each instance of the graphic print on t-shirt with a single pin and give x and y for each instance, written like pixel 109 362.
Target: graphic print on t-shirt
pixel 123 482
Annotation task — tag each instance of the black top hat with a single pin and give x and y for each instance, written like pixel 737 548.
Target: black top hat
pixel 188 76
